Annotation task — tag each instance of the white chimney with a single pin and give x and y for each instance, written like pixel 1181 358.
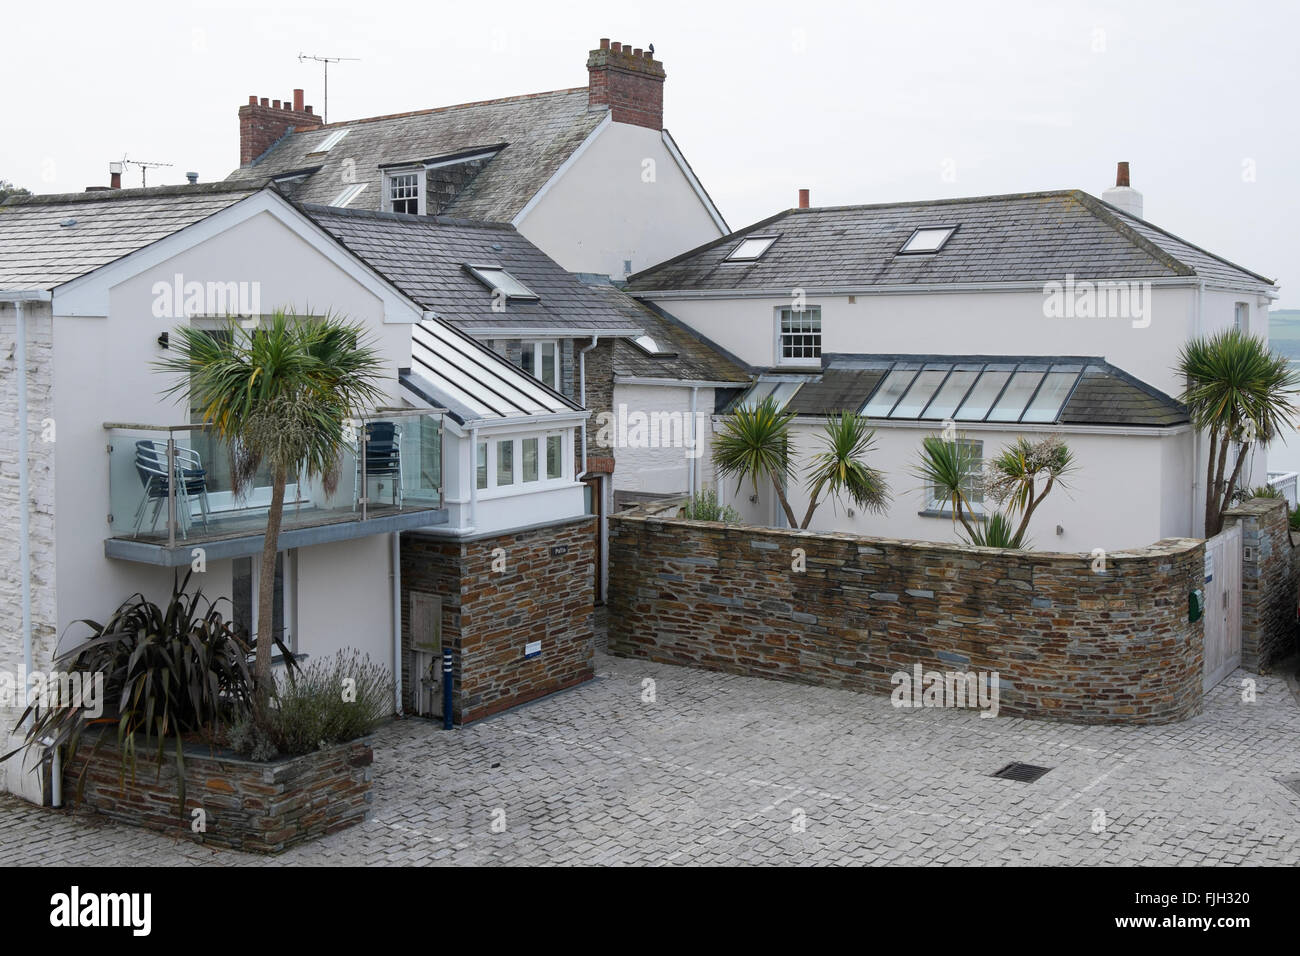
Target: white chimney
pixel 1123 195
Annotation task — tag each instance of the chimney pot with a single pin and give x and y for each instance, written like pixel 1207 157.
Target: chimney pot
pixel 252 101
pixel 275 104
pixel 637 53
pixel 1121 175
pixel 604 43
pixel 803 198
pixel 297 100
pixel 193 178
pixel 114 180
pixel 616 47
pixel 265 101
pixel 306 109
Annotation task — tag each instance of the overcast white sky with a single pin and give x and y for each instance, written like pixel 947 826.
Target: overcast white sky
pixel 862 102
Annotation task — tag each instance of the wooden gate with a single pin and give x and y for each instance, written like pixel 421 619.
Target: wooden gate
pixel 1222 605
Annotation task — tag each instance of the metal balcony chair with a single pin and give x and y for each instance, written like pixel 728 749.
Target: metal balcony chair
pixel 383 459
pixel 151 466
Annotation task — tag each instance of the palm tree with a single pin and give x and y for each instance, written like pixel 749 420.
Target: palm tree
pixel 754 443
pixel 951 469
pixel 1238 391
pixel 279 396
pixel 840 469
pixel 1013 477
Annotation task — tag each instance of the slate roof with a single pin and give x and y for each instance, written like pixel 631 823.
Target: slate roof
pixel 1026 237
pixel 1104 394
pixel 425 257
pixel 539 132
pixel 36 252
pixel 684 354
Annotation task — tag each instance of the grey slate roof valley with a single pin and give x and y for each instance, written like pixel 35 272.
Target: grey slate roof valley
pixel 425 257
pixel 539 132
pixel 1104 395
pixel 36 252
pixel 1025 237
pixel 684 356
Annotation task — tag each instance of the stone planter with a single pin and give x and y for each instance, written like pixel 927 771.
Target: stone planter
pixel 255 806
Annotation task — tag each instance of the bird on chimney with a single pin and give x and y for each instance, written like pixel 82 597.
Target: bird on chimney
pixel 651 48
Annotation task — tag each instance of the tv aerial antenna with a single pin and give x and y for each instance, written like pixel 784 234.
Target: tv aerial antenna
pixel 144 166
pixel 326 60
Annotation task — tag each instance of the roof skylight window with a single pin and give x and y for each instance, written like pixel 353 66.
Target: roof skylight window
pixel 498 280
pixel 750 248
pixel 1029 392
pixel 349 193
pixel 927 239
pixel 648 344
pixel 330 141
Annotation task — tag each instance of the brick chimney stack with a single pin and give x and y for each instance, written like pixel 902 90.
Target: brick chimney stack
pixel 803 199
pixel 262 123
pixel 629 81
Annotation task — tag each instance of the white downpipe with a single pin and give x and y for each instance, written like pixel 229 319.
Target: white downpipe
pixel 692 470
pixel 24 503
pixel 582 394
pixel 1197 444
pixel 395 553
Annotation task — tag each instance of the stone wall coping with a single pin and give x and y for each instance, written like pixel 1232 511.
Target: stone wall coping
pixel 198 751
pixel 1166 547
pixel 1255 506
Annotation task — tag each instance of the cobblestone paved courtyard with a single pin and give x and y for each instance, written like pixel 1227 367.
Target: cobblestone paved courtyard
pixel 722 769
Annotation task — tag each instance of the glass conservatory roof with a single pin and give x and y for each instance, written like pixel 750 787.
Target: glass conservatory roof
pixel 1030 392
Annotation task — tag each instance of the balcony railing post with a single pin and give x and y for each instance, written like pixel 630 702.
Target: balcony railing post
pixel 171 490
pixel 365 482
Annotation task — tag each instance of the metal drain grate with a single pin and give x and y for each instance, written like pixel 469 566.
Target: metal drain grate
pixel 1024 772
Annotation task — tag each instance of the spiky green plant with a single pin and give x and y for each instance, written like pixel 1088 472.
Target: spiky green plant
pixel 1240 393
pixel 705 507
pixel 753 443
pixel 170 670
pixel 841 471
pixel 949 467
pixel 996 531
pixel 280 393
pixel 1024 473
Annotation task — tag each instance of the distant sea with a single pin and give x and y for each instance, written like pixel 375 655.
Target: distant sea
pixel 1284 338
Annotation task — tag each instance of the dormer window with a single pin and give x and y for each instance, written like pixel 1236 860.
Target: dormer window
pixel 750 248
pixel 927 239
pixel 498 280
pixel 403 192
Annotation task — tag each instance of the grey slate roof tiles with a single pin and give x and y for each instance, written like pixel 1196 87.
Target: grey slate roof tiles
pixel 540 131
pixel 425 256
pixel 1029 237
pixel 36 252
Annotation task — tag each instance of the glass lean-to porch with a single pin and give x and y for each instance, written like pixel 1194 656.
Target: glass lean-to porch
pixel 170 487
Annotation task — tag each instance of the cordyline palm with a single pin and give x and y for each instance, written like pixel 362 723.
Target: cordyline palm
pixel 280 396
pixel 947 467
pixel 1238 391
pixel 754 443
pixel 840 469
pixel 1014 477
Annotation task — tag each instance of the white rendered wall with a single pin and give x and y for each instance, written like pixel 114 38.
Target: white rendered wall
pixel 603 211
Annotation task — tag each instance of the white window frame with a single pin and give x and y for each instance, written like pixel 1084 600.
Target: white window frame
pixel 518 486
pixel 536 371
pixel 391 174
pixel 1241 317
pixel 778 344
pixel 943 506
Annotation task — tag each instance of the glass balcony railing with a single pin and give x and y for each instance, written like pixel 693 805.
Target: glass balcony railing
pixel 171 485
